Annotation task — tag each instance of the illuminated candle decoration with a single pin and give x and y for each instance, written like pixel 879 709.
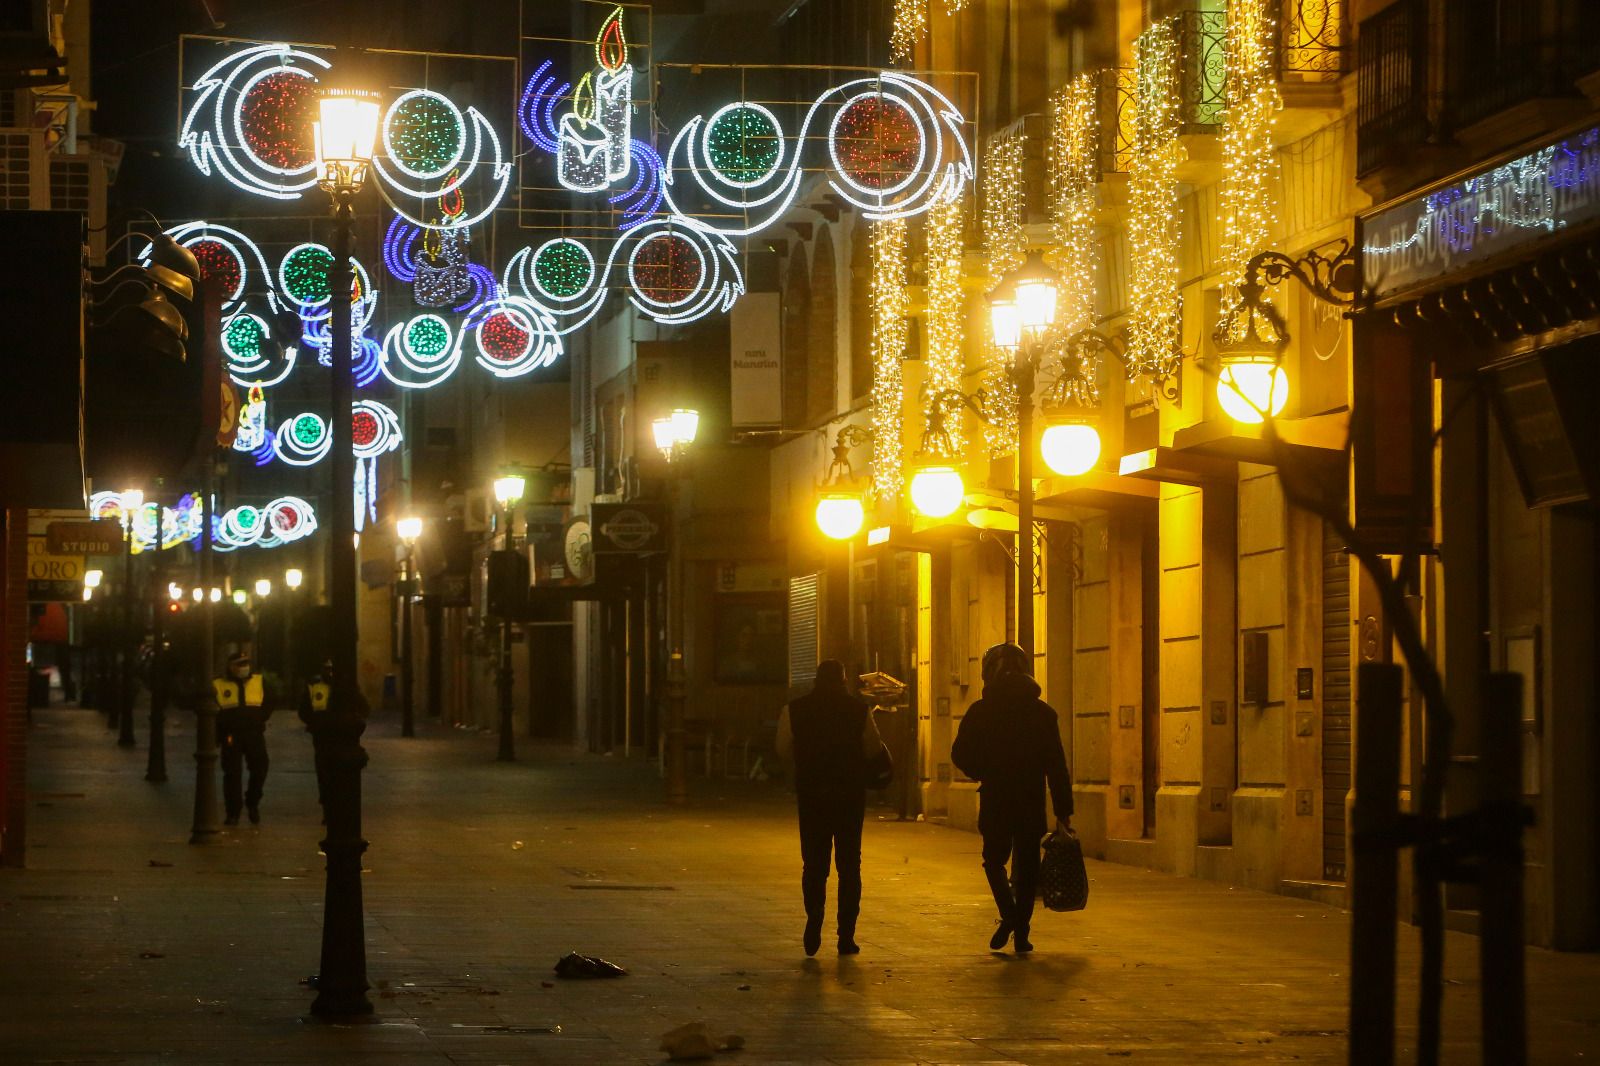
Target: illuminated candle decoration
pixel 442 274
pixel 1154 304
pixel 892 146
pixel 252 437
pixel 890 305
pixel 613 95
pixel 405 257
pixel 250 120
pixel 583 162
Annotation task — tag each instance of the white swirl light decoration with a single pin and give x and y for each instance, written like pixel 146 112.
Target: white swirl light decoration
pixel 290 519
pixel 477 152
pixel 376 429
pixel 516 336
pixel 178 525
pixel 762 189
pixel 421 352
pixel 298 273
pixel 303 440
pixel 241 89
pixel 283 521
pixel 228 255
pixel 678 270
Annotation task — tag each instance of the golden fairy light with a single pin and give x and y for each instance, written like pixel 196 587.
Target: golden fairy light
pixel 889 308
pixel 1074 174
pixel 1249 161
pixel 909 27
pixel 1154 303
pixel 1003 235
pixel 944 319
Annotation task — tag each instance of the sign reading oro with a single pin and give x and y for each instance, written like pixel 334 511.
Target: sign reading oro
pixel 52 577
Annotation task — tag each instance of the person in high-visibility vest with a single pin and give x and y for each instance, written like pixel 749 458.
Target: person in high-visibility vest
pixel 242 713
pixel 314 701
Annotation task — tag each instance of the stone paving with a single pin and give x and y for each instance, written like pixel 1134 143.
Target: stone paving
pixel 122 943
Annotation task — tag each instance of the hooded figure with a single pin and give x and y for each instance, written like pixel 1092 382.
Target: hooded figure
pixel 1010 743
pixel 831 735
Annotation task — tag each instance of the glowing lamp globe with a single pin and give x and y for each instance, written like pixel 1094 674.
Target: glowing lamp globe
pixel 676 431
pixel 344 134
pixel 216 595
pixel 292 578
pixel 239 597
pixel 840 515
pixel 508 489
pixel 263 586
pixel 1249 392
pixel 198 594
pixel 92 578
pixel 937 491
pixel 409 529
pixel 1071 448
pixel 1006 322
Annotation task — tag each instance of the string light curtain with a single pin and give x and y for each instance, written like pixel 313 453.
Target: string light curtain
pixel 946 312
pixel 1249 163
pixel 889 309
pixel 1155 309
pixel 1074 172
pixel 1006 243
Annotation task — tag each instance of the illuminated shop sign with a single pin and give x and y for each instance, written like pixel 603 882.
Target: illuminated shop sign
pixel 1484 216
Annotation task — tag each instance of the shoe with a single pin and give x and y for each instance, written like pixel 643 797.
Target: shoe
pixel 848 945
pixel 1001 935
pixel 813 938
pixel 232 819
pixel 1024 945
pixel 255 814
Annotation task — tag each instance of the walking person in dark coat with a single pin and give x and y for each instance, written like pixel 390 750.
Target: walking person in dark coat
pixel 242 713
pixel 1009 742
pixel 831 735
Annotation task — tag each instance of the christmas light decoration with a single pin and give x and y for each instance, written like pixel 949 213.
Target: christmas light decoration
pixel 303 440
pixel 1249 161
pixel 910 25
pixel 536 109
pixel 562 269
pixel 303 280
pixel 1154 309
pixel 283 521
pixel 1003 202
pixel 943 355
pixel 1074 155
pixel 516 336
pixel 889 329
pixel 426 349
pixel 449 149
pixel 894 147
pixel 424 134
pixel 252 437
pixel 442 277
pixel 743 143
pixel 594 139
pixel 250 121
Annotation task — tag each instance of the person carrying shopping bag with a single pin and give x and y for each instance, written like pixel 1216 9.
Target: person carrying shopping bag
pixel 1010 743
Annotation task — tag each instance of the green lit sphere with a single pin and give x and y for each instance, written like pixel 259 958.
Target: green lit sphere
pixel 243 337
pixel 305 273
pixel 308 429
pixel 563 269
pixel 428 337
pixel 743 144
pixel 246 517
pixel 425 134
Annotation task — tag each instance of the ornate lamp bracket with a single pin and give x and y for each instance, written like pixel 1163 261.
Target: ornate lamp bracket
pixel 1090 347
pixel 1334 279
pixel 849 436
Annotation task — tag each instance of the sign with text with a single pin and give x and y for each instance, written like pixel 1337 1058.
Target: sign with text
pixel 627 528
pixel 93 537
pixel 52 577
pixel 755 339
pixel 1483 216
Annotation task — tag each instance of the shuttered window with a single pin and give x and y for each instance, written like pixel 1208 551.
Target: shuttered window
pixel 802 630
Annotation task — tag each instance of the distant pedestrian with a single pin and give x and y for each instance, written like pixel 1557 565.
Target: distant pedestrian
pixel 832 736
pixel 316 701
pixel 242 713
pixel 1010 743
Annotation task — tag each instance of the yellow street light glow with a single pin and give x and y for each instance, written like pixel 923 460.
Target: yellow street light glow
pixel 88 594
pixel 292 578
pixel 1249 392
pixel 1071 448
pixel 263 586
pixel 409 528
pixel 239 597
pixel 92 578
pixel 344 136
pixel 676 431
pixel 198 594
pixel 175 592
pixel 508 489
pixel 937 491
pixel 840 515
pixel 1135 462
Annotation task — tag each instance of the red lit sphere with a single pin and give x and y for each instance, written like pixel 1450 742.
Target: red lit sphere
pixel 503 338
pixel 668 269
pixel 877 142
pixel 275 117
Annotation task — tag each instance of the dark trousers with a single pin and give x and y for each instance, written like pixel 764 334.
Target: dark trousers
pixel 1008 837
pixel 247 747
pixel 831 829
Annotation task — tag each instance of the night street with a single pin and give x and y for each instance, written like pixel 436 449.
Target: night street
pixel 482 875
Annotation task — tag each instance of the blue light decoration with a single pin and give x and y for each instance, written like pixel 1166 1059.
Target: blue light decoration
pixel 283 521
pixel 407 264
pixel 892 146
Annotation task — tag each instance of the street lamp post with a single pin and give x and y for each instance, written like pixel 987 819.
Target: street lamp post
pixel 1022 311
pixel 508 490
pixel 674 433
pixel 292 580
pixel 344 137
pixel 132 504
pixel 409 530
pixel 155 769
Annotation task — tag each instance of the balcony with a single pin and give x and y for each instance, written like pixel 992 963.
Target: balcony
pixel 1202 69
pixel 1118 118
pixel 1392 86
pixel 1513 65
pixel 1312 45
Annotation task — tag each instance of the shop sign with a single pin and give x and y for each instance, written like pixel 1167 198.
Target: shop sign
pixel 627 528
pixel 97 537
pixel 53 577
pixel 1492 212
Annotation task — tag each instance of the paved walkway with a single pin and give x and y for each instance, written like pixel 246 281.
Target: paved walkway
pixel 122 943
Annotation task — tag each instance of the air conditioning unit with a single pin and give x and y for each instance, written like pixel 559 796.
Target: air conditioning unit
pixel 475 515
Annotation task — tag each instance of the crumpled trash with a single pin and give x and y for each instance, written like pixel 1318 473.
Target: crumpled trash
pixel 691 1042
pixel 574 965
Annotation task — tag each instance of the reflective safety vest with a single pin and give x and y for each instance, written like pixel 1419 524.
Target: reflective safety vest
pixel 319 691
pixel 227 690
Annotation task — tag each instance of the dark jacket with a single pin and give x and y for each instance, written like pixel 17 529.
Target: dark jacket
pixel 828 760
pixel 1010 743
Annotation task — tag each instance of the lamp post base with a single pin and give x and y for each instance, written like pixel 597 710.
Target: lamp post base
pixel 205 775
pixel 342 977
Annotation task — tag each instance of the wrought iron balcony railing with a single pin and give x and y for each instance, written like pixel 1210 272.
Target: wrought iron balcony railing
pixel 1392 81
pixel 1312 43
pixel 1118 118
pixel 1202 69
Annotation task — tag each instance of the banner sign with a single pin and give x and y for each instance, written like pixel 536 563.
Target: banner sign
pixel 755 341
pixel 1483 216
pixel 95 537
